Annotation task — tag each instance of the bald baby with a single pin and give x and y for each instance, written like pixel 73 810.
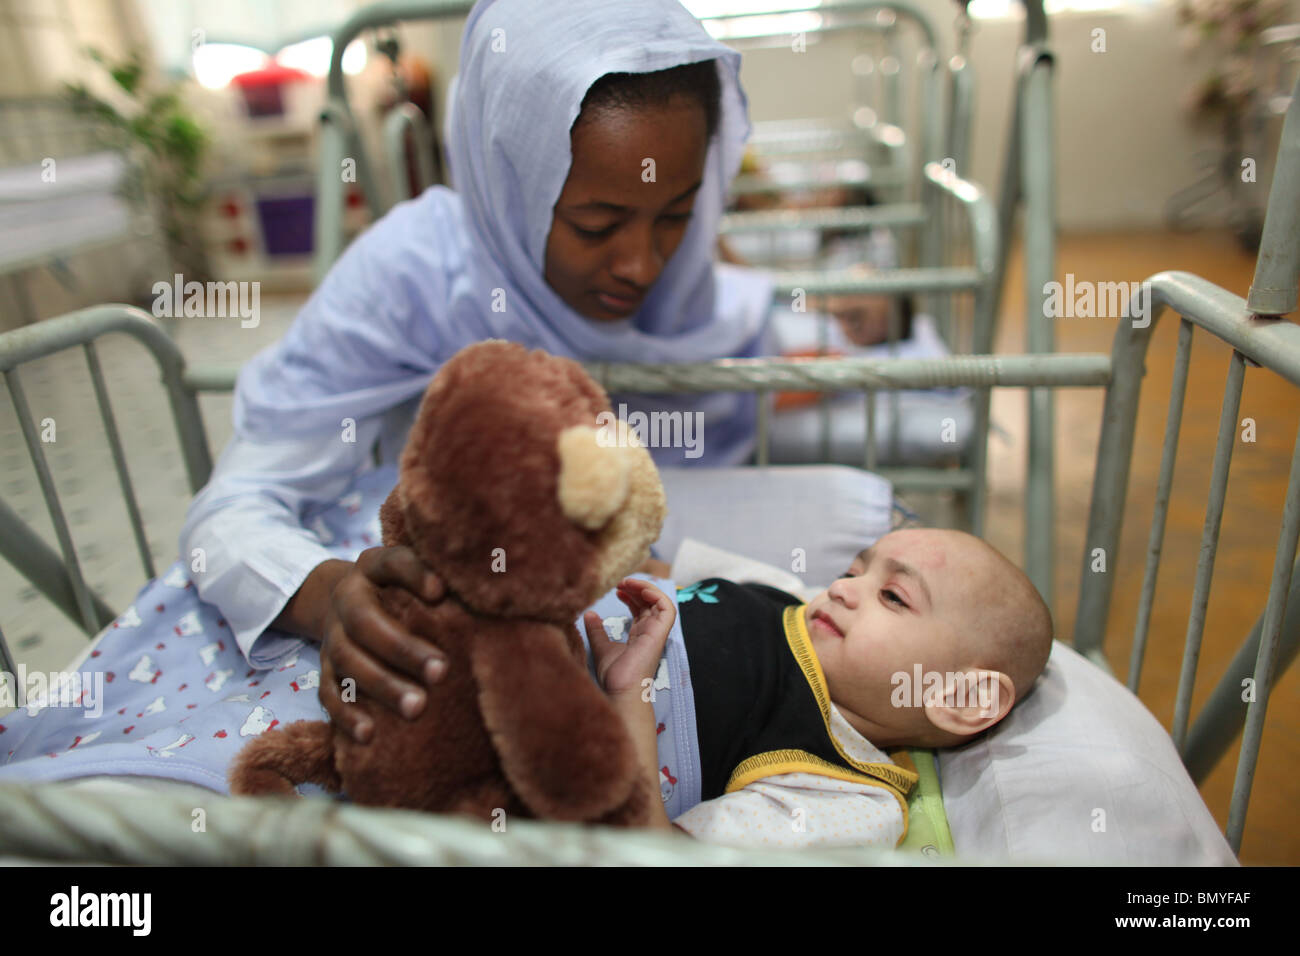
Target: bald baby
pixel 929 639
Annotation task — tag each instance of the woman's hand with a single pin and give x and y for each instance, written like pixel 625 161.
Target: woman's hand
pixel 360 641
pixel 624 669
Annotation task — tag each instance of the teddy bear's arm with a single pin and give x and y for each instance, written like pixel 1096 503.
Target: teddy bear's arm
pixel 562 745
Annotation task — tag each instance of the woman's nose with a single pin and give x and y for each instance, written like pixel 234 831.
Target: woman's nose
pixel 637 260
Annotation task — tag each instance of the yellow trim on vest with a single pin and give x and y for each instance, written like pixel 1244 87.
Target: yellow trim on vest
pixel 790 761
pixel 897 780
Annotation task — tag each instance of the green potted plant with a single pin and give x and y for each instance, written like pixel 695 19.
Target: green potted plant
pixel 166 145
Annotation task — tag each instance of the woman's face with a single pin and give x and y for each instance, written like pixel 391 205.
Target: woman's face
pixel 625 206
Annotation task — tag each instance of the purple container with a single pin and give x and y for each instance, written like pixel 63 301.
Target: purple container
pixel 287 224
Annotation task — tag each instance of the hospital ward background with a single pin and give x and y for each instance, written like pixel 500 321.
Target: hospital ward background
pixel 926 180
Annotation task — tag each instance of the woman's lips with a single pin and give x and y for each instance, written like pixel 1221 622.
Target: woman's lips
pixel 618 303
pixel 823 620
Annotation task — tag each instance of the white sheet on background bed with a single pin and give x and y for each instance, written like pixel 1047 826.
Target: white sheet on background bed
pixel 926 418
pixel 51 210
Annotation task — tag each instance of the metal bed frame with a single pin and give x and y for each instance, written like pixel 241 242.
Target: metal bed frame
pixel 45 821
pixel 49 822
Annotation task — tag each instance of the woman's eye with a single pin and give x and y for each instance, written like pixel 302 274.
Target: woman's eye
pixel 677 217
pixel 891 595
pixel 594 233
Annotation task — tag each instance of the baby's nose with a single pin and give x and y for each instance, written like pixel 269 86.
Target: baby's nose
pixel 843 591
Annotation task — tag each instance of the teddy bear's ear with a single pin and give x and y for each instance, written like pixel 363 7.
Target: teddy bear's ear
pixel 392 523
pixel 594 472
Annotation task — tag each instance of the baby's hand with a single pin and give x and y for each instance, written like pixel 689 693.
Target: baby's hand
pixel 623 668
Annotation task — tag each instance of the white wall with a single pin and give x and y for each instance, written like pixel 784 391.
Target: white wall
pixel 1124 141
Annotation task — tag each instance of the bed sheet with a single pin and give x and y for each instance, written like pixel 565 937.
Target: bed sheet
pixel 42 216
pixel 165 691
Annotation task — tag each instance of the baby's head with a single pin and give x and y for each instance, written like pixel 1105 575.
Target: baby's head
pixel 929 639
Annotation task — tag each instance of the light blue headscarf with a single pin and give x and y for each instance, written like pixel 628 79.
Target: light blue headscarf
pixel 451 268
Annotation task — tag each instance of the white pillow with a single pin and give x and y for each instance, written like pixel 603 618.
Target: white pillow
pixel 1079 772
pixel 824 513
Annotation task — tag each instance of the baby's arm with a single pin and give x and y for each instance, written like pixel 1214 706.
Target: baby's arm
pixel 626 672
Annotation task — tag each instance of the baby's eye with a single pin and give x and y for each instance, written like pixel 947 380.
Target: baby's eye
pixel 894 597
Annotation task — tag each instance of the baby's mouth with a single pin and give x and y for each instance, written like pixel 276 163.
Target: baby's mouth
pixel 823 620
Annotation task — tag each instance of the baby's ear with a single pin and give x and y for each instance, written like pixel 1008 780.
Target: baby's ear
pixel 970 702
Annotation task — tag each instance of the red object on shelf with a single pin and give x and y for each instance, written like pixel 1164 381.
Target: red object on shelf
pixel 239 246
pixel 230 208
pixel 261 88
pixel 355 197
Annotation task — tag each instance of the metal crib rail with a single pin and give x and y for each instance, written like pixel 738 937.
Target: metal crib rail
pixel 62 581
pixel 50 822
pixel 1271 344
pixel 339 137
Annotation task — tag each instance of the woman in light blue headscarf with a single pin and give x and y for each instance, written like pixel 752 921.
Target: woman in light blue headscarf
pixel 591 145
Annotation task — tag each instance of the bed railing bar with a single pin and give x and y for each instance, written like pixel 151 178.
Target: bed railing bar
pixel 42 566
pixel 119 459
pixel 53 822
pixel 891 69
pixel 841 374
pixel 823 321
pixel 895 416
pixel 1155 540
pixel 85 608
pixel 331 143
pixel 961 92
pixel 837 218
pixel 893 282
pixel 1224 713
pixel 978 455
pixel 1266 663
pixel 410 117
pixel 1209 544
pixel 1274 288
pixel 748 184
pixel 1038 163
pixel 870 398
pixel 764 426
pixel 982 340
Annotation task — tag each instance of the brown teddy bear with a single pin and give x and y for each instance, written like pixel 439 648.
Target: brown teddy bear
pixel 529 504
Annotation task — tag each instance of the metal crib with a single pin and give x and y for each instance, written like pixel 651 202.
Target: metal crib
pixel 46 822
